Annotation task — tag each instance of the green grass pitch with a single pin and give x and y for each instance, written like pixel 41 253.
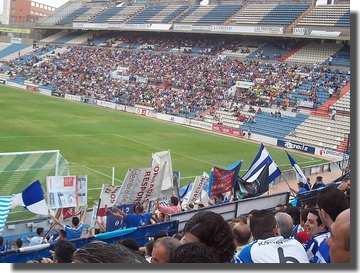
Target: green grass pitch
pixel 95 139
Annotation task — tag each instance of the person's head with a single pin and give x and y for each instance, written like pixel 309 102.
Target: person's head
pixel 339 240
pixel 40 231
pixel 285 224
pixel 313 224
pixel 330 202
pixel 129 243
pixel 101 252
pixel 279 207
pixel 1 240
pixel 149 247
pixel 219 198
pixel 294 212
pixel 178 235
pixel 303 216
pixel 174 200
pixel 263 225
pixel 309 204
pixel 163 249
pixel 192 253
pixel 201 205
pixel 319 178
pixel 160 234
pixel 18 242
pixel 211 229
pixel 75 221
pixel 139 209
pixel 63 251
pixel 345 184
pixel 62 234
pixel 241 233
pixel 301 185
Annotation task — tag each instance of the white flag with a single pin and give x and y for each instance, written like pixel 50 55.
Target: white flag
pixel 141 185
pixel 160 158
pixel 196 189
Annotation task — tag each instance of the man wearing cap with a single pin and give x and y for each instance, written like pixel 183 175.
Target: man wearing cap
pixel 318 183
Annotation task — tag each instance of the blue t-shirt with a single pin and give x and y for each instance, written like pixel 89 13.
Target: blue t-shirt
pixel 4 248
pixel 135 220
pixel 317 249
pixel 73 233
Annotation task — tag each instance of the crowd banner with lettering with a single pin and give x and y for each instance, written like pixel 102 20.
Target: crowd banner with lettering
pixel 296 146
pixel 160 158
pixel 141 185
pixel 107 197
pixel 66 191
pixel 196 189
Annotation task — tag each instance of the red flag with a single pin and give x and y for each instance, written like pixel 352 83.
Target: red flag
pixel 223 180
pixel 71 212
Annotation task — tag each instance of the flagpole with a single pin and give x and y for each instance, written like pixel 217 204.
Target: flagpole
pixel 288 185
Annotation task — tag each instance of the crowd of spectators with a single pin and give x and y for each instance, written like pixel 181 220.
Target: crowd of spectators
pixel 170 82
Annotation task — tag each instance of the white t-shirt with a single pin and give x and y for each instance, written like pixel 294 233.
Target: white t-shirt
pixel 274 250
pixel 36 240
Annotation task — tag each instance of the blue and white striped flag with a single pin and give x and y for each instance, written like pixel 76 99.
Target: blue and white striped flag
pixel 299 174
pixel 5 204
pixel 31 198
pixel 259 162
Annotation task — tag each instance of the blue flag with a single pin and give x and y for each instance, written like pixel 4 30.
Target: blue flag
pixel 262 158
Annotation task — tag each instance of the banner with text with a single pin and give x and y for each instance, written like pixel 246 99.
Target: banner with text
pixel 66 191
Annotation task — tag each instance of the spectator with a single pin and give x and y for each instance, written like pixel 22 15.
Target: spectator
pixel 174 206
pixel 38 238
pixel 242 235
pixel 211 229
pixel 316 248
pixel 160 234
pixel 318 183
pixel 3 247
pixel 139 218
pixel 300 233
pixel 163 248
pixel 62 253
pixel 77 227
pixel 285 224
pixel 196 252
pixel 129 243
pixel 61 234
pixel 178 235
pixel 268 245
pixel 333 114
pixel 345 184
pixel 339 240
pixel 279 207
pixel 18 243
pixel 148 250
pixel 101 252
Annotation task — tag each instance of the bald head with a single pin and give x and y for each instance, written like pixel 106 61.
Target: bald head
pixel 339 240
pixel 242 233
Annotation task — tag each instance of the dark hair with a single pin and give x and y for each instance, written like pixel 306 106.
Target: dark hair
pixel 178 235
pixel 75 221
pixel 1 240
pixel 294 212
pixel 101 252
pixel 211 229
pixel 220 196
pixel 195 252
pixel 303 214
pixel 39 230
pixel 315 212
pixel 201 205
pixel 301 184
pixel 159 234
pixel 149 247
pixel 19 242
pixel 262 224
pixel 174 200
pixel 332 201
pixel 63 251
pixel 63 233
pixel 138 208
pixel 129 243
